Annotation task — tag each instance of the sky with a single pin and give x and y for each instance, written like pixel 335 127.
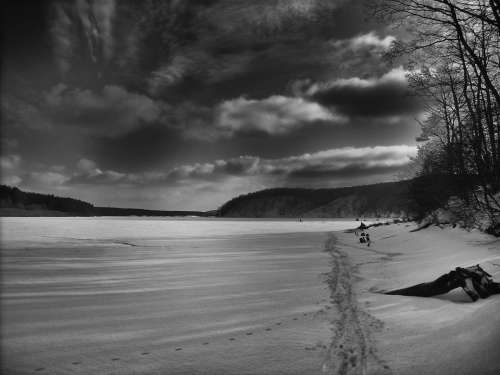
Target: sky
pixel 185 104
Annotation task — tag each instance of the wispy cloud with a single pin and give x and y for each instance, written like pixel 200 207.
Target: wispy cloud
pixel 81 26
pixel 368 40
pixel 328 164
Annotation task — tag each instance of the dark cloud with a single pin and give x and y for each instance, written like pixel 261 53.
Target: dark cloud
pixel 229 34
pixel 172 47
pixel 109 111
pixel 113 110
pixel 352 170
pixel 386 96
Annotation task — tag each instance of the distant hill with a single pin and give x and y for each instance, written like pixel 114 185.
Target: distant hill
pixel 391 199
pixel 15 202
pixel 378 200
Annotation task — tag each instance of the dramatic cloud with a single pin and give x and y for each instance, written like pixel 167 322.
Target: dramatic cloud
pixel 217 37
pixel 167 103
pixel 274 115
pixel 159 45
pixel 387 95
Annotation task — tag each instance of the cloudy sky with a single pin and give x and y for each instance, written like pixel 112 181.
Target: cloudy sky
pixel 183 104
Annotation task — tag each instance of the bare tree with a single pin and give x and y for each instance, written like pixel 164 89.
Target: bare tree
pixel 455 52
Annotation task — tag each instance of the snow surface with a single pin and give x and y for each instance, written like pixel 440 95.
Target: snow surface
pixel 141 296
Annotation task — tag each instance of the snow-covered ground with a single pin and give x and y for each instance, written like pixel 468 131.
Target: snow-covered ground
pixel 86 231
pixel 198 296
pixel 151 296
pixel 447 334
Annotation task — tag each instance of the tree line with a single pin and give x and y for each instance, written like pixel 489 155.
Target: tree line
pixel 454 59
pixel 377 200
pixel 14 198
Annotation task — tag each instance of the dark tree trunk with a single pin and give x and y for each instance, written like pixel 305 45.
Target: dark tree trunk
pixel 441 285
pixel 474 280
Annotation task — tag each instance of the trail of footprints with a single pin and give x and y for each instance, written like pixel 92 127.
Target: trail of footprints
pixel 249 333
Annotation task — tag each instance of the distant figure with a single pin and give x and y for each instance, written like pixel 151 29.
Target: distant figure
pixel 300 219
pixel 367 239
pixel 361 227
pixel 362 239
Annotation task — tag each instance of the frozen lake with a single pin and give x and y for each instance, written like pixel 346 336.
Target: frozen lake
pixel 169 296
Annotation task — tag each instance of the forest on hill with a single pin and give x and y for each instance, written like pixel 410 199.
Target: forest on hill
pixel 408 198
pixel 15 202
pixel 374 200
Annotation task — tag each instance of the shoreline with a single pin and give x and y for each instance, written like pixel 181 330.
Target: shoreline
pixel 444 335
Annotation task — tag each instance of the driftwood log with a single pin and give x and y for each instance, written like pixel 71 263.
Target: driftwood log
pixel 475 281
